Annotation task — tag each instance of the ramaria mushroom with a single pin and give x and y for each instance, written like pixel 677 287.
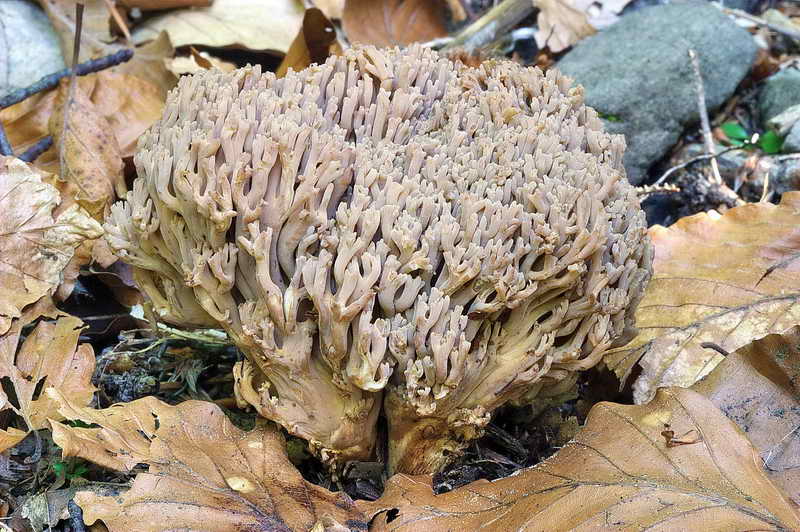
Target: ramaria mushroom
pixel 388 227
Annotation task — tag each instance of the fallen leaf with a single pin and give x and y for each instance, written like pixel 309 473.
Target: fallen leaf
pixel 393 22
pixel 96 37
pixel 34 247
pixel 332 9
pixel 723 279
pixel 313 44
pixel 204 473
pixel 600 14
pixel 149 63
pixel 251 24
pixel 89 155
pixel 196 62
pixel 560 25
pixel 49 357
pixel 150 5
pixel 618 473
pixel 758 388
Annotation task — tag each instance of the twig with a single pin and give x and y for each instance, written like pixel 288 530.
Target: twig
pixel 73 83
pixel 701 108
pixel 693 160
pixel 789 32
pixel 5 146
pixel 711 345
pixel 76 517
pixel 496 21
pixel 51 80
pixel 37 149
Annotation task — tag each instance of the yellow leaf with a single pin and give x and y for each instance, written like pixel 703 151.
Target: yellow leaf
pixel 719 281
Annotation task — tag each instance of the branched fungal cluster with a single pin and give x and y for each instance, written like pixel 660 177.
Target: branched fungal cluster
pixel 388 228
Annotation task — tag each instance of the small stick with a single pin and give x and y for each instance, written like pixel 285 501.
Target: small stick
pixel 51 80
pixel 701 108
pixel 691 161
pixel 41 146
pixel 5 145
pixel 76 517
pixel 73 83
pixel 496 21
pixel 792 34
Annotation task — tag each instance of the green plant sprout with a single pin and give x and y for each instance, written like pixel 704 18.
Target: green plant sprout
pixel 770 142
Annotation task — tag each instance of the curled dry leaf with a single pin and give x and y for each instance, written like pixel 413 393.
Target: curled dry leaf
pixel 618 472
pixel 34 247
pixel 722 279
pixel 758 388
pixel 89 156
pixel 560 24
pixel 315 42
pixel 49 357
pixel 204 473
pixel 393 22
pixel 250 24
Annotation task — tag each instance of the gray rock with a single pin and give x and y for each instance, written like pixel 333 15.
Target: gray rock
pixel 779 92
pixel 791 144
pixel 29 46
pixel 638 72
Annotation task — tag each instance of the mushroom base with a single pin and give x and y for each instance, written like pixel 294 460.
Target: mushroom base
pixel 424 445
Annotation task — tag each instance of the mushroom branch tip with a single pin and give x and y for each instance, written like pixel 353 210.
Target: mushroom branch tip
pixel 388 233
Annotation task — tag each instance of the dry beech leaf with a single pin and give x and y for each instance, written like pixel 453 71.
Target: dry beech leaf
pixel 618 473
pixel 725 279
pixel 34 247
pixel 95 35
pixel 149 63
pixel 758 388
pixel 393 22
pixel 196 62
pixel 49 357
pixel 332 9
pixel 313 44
pixel 250 24
pixel 204 473
pixel 149 5
pixel 89 154
pixel 600 14
pixel 560 25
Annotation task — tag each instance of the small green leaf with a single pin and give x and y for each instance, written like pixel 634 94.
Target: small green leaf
pixel 59 468
pixel 770 142
pixel 609 117
pixel 734 131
